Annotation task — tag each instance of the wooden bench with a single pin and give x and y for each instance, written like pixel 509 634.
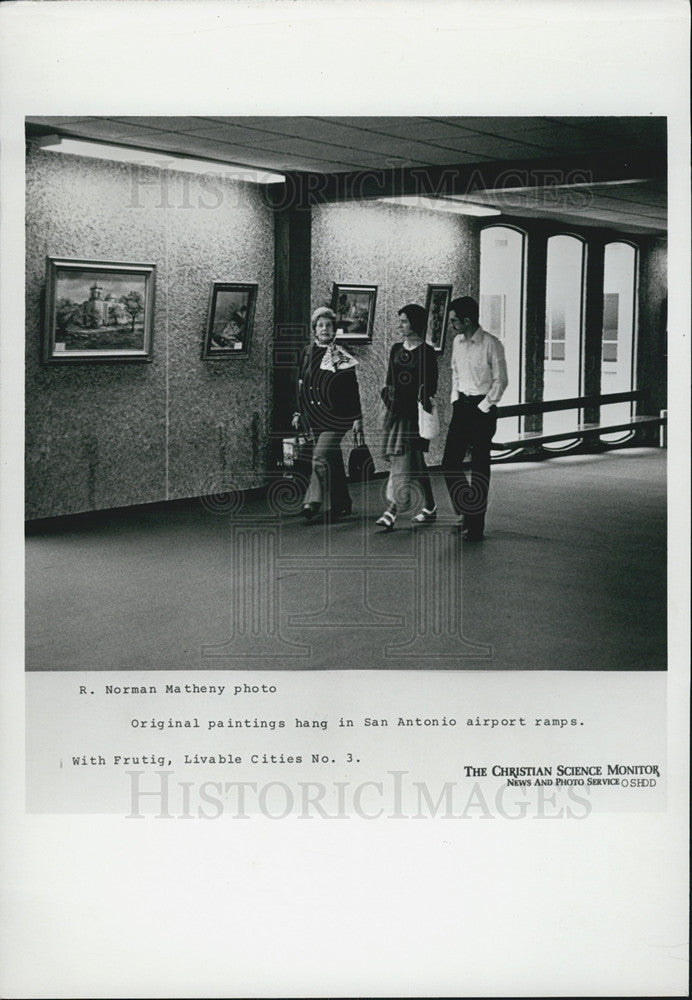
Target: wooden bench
pixel 581 431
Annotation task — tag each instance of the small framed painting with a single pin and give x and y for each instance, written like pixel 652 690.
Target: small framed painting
pixel 229 321
pixel 354 306
pixel 98 311
pixel 437 308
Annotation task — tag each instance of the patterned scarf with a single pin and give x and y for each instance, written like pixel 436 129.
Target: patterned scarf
pixel 336 358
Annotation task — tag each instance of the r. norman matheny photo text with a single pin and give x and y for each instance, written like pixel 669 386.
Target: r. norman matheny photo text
pixel 219 689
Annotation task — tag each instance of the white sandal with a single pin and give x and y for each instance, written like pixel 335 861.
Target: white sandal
pixel 387 520
pixel 425 517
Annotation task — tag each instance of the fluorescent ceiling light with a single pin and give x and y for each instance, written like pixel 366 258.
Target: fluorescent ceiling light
pixel 165 161
pixel 547 185
pixel 441 205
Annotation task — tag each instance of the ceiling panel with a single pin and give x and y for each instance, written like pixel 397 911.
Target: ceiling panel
pixel 340 144
pixel 227 133
pixel 267 123
pixel 203 148
pixel 624 197
pixel 305 128
pixel 377 124
pixel 500 149
pixel 107 129
pixel 629 210
pixel 381 146
pixel 53 122
pixel 553 140
pixel 557 205
pixel 165 124
pixel 313 155
pixel 252 157
pixel 417 128
pixel 441 157
pixel 649 132
pixel 340 131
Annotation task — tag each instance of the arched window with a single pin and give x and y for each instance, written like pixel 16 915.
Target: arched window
pixel 617 351
pixel 563 328
pixel 502 306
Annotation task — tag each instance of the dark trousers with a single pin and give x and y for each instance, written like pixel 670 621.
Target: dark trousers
pixel 472 429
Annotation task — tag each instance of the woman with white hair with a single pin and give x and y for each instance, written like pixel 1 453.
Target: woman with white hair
pixel 329 399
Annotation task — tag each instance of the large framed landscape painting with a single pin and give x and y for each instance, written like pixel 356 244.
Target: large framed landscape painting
pixel 98 311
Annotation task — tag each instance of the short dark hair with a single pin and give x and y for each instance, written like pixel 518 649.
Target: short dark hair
pixel 417 317
pixel 465 308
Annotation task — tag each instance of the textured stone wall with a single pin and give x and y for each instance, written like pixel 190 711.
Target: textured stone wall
pixel 652 357
pixel 401 250
pixel 111 434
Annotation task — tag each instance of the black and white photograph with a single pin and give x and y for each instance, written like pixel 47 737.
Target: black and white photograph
pixel 548 463
pixel 345 499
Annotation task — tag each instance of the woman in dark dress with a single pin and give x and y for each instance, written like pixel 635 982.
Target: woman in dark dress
pixel 329 399
pixel 411 378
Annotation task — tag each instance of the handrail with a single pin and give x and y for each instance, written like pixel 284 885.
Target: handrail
pixel 528 438
pixel 577 402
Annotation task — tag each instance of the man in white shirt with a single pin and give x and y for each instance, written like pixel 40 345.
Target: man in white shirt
pixel 479 378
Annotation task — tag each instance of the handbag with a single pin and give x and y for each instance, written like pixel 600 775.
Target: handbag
pixel 302 467
pixel 361 468
pixel 428 423
pixel 297 454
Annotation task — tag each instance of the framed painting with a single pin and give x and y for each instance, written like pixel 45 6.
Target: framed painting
pixel 437 308
pixel 354 306
pixel 98 311
pixel 229 321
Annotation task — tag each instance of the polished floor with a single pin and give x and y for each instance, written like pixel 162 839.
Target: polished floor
pixel 571 576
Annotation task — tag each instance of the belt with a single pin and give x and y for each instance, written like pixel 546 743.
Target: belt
pixel 472 399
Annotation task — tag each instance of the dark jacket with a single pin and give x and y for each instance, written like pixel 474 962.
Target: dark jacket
pixel 411 376
pixel 329 401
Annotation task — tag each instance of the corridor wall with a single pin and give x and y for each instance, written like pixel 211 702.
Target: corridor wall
pixel 112 434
